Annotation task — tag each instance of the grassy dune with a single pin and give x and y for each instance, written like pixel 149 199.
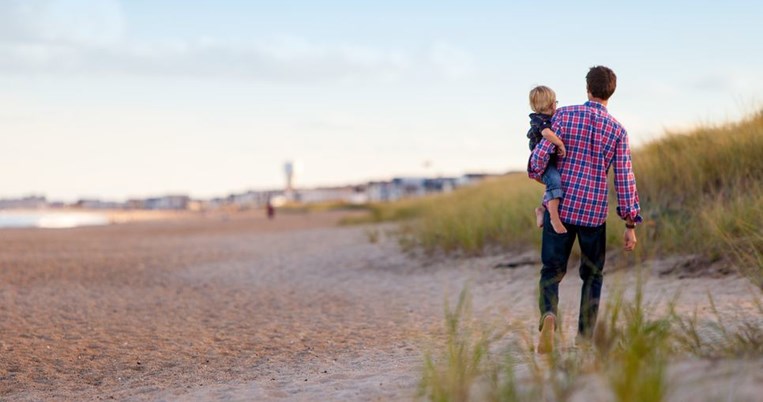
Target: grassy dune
pixel 701 193
pixel 628 357
pixel 705 186
pixel 497 213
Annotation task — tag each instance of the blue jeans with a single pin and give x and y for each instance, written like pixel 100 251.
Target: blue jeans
pixel 555 252
pixel 553 181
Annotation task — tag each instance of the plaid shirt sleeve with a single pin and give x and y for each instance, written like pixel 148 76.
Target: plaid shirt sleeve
pixel 539 159
pixel 625 182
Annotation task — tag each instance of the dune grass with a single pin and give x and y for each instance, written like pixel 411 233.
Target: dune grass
pixel 401 210
pixel 494 214
pixel 462 358
pixel 497 212
pixel 632 348
pixel 702 187
pixel 293 207
pixel 630 354
pixel 701 193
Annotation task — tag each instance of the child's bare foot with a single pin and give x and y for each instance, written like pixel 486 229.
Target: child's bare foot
pixel 558 226
pixel 539 216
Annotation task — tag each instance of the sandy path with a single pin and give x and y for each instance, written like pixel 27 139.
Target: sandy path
pixel 246 309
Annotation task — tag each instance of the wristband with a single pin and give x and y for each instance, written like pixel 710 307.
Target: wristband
pixel 630 225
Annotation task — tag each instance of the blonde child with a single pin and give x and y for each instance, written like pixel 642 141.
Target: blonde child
pixel 543 103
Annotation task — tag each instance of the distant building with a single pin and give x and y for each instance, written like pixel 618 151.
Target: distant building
pixel 98 204
pixel 471 178
pixel 374 191
pixel 409 186
pixel 378 191
pixel 291 169
pixel 135 204
pixel 440 185
pixel 327 194
pixel 30 202
pixel 250 199
pixel 172 202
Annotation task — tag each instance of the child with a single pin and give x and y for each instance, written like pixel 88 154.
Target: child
pixel 543 103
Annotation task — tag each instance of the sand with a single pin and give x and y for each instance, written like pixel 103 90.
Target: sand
pixel 240 308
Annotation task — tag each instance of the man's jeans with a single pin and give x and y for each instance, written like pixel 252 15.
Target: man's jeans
pixel 555 252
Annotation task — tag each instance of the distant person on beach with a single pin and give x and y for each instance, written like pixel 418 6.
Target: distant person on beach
pixel 270 209
pixel 543 104
pixel 594 141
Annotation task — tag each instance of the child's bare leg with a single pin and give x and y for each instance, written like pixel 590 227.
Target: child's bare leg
pixel 553 212
pixel 539 216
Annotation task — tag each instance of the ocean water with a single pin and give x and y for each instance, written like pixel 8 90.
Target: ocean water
pixel 57 220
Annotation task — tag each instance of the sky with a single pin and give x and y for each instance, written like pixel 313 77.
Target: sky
pixel 118 99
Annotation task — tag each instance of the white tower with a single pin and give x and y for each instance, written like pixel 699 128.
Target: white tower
pixel 290 169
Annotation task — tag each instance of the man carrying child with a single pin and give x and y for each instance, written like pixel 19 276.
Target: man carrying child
pixel 594 141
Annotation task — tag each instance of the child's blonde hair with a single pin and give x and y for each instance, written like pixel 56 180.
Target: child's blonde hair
pixel 542 99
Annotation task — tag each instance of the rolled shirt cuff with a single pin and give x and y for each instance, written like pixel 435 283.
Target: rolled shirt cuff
pixel 632 212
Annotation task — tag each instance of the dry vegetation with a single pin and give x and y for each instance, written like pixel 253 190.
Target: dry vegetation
pixel 701 193
pixel 629 357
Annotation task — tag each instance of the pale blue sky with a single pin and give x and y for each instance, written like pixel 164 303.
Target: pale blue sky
pixel 133 98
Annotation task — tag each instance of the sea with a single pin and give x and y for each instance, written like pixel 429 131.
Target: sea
pixel 51 219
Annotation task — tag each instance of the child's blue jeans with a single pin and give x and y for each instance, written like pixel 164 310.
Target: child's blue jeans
pixel 553 181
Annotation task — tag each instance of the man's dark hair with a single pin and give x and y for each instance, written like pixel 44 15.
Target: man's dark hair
pixel 601 82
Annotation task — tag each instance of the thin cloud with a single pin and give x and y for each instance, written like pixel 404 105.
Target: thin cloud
pixel 200 59
pixel 61 22
pixel 88 37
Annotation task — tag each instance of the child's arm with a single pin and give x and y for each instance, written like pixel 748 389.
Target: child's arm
pixel 551 137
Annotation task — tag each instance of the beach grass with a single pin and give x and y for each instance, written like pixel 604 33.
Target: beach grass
pixel 463 356
pixel 493 213
pixel 701 193
pixel 293 207
pixel 402 210
pixel 627 360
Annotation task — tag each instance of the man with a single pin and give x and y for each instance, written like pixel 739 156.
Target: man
pixel 594 141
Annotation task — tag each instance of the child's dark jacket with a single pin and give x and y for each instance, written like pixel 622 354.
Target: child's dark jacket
pixel 538 122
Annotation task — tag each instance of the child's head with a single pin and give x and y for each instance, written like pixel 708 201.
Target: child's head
pixel 543 100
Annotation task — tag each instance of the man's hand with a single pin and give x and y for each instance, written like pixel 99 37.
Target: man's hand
pixel 561 151
pixel 630 239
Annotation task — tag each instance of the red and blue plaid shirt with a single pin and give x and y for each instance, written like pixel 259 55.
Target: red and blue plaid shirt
pixel 594 141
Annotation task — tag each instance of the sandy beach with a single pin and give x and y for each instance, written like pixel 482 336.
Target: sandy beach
pixel 241 308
